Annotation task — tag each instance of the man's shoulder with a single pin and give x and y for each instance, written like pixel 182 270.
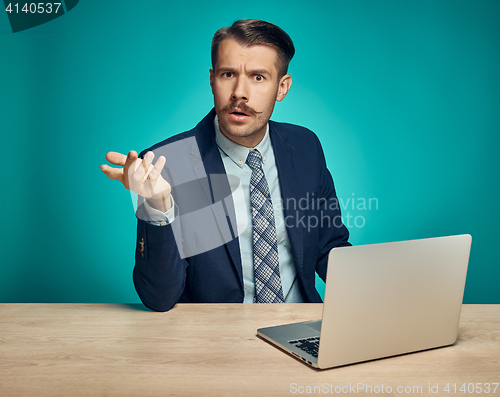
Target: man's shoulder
pixel 294 135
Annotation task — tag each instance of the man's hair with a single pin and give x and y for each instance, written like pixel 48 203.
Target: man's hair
pixel 248 32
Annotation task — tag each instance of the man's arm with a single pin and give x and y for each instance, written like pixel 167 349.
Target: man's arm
pixel 337 235
pixel 159 273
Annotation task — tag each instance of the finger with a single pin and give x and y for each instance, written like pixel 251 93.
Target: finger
pixel 156 171
pixel 112 173
pixel 146 164
pixel 116 158
pixel 136 170
pixel 131 158
pixel 141 167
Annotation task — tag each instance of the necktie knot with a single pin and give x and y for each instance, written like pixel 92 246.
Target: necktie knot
pixel 254 159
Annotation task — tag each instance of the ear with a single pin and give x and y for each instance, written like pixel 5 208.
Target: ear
pixel 212 78
pixel 283 86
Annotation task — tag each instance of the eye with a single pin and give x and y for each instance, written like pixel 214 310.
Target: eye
pixel 227 74
pixel 259 77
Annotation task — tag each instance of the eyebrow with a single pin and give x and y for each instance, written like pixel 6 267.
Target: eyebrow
pixel 259 71
pixel 251 71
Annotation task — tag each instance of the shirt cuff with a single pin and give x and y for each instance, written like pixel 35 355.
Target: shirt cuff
pixel 159 218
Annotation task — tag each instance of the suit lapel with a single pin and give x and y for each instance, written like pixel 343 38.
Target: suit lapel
pixel 212 164
pixel 291 187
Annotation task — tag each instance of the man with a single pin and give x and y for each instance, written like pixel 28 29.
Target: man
pixel 288 198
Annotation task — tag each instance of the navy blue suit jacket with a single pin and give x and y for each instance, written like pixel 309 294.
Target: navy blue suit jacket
pixel 162 278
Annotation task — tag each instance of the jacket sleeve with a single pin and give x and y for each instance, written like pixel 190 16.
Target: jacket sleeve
pixel 335 234
pixel 159 272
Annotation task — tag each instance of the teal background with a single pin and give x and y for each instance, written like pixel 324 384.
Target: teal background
pixel 404 96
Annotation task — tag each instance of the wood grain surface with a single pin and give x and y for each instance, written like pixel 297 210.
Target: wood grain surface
pixel 213 350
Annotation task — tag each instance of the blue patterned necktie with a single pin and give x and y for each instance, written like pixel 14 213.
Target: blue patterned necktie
pixel 265 244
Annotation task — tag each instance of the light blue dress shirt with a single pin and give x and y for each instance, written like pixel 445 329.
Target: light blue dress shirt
pixel 234 157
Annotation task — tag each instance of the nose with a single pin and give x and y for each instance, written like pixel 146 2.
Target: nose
pixel 240 89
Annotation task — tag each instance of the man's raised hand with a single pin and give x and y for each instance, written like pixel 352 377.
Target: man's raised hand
pixel 140 176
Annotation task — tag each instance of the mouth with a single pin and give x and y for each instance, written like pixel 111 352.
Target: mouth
pixel 239 112
pixel 238 115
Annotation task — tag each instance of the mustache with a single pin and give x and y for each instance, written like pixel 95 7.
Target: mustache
pixel 241 105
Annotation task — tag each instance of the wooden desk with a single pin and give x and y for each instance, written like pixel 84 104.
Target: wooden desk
pixel 205 350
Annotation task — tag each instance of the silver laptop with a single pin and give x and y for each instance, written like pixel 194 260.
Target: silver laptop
pixel 382 300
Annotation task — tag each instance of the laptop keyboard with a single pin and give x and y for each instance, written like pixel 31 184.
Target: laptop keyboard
pixel 309 345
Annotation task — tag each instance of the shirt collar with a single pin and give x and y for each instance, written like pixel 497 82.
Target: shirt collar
pixel 237 153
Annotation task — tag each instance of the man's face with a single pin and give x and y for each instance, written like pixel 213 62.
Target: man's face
pixel 245 85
